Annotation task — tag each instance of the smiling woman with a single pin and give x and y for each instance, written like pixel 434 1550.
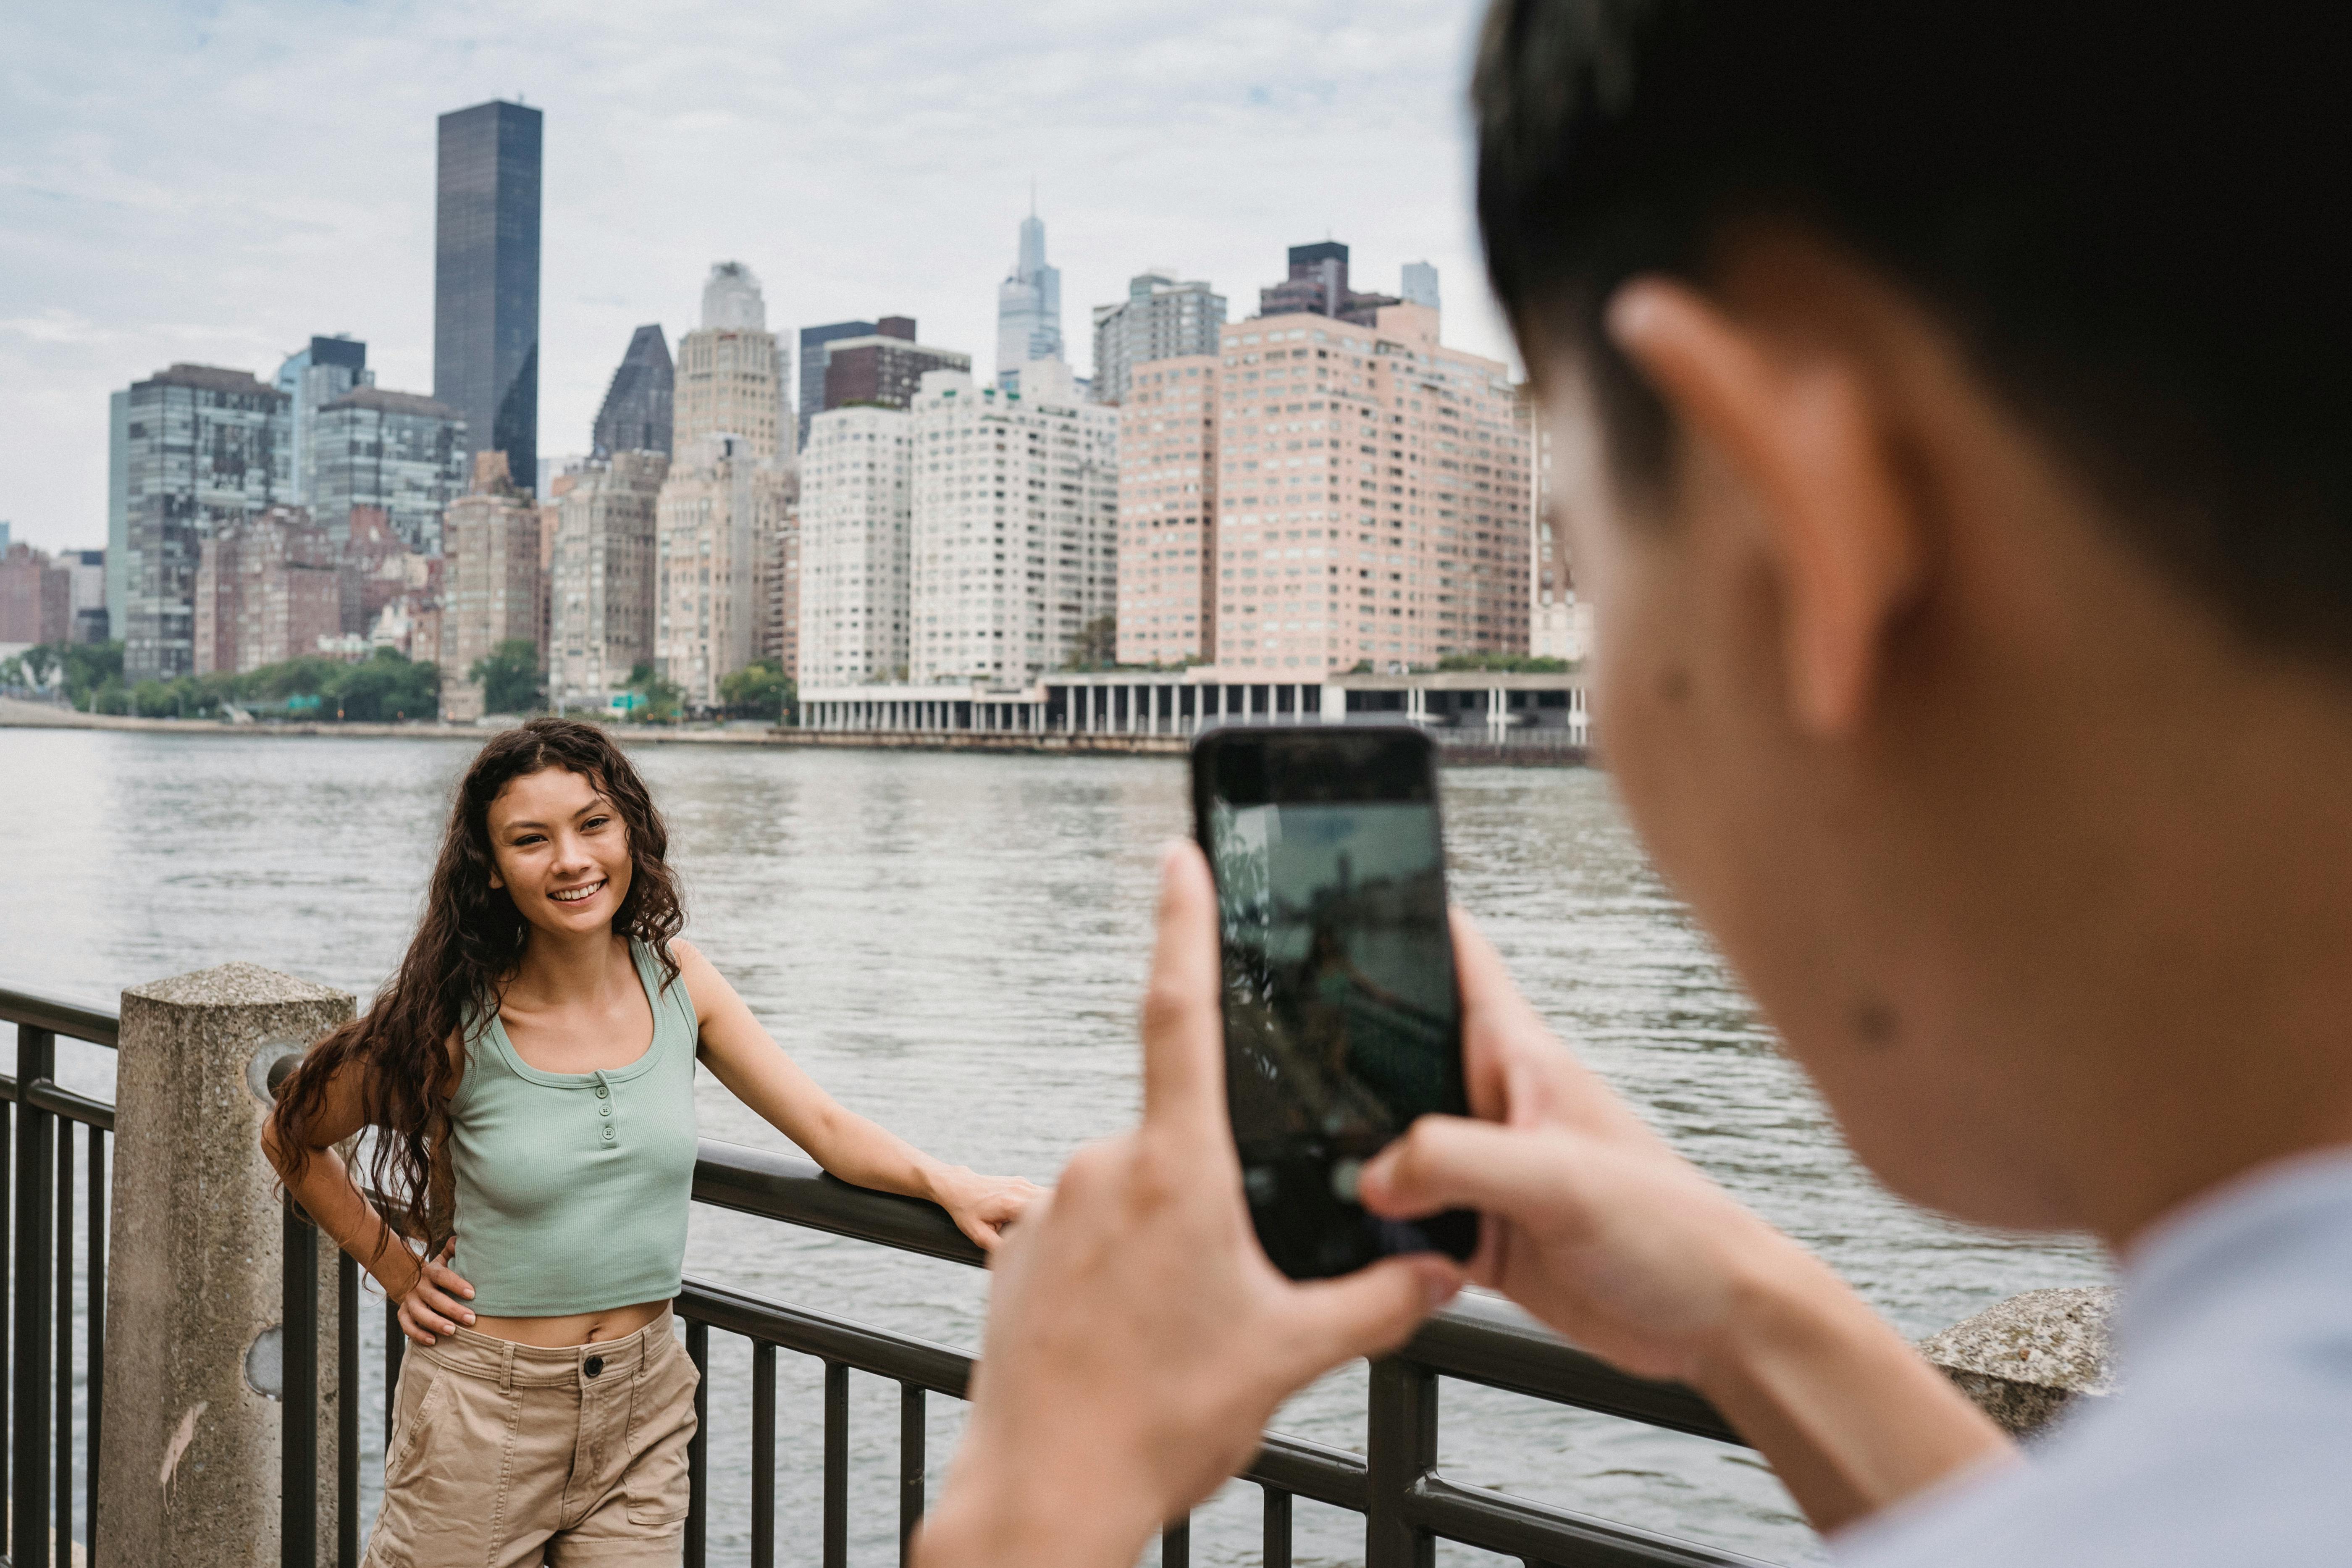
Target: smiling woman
pixel 529 1075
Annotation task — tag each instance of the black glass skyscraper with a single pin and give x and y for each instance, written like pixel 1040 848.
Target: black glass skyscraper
pixel 638 407
pixel 486 280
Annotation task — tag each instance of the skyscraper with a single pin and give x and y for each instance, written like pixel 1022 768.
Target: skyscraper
pixel 730 371
pixel 716 522
pixel 495 588
pixel 1421 284
pixel 886 368
pixel 813 364
pixel 604 579
pixel 1029 304
pixel 638 405
pixel 1012 545
pixel 1318 283
pixel 486 280
pixel 1159 318
pixel 196 448
pixel 312 377
pixel 392 450
pixel 1167 512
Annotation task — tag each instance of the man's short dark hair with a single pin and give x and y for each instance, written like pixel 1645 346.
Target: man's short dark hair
pixel 2132 214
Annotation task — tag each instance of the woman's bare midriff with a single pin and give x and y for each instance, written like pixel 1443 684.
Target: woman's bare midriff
pixel 577 1329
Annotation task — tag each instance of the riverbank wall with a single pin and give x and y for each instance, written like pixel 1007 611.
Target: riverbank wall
pixel 18 714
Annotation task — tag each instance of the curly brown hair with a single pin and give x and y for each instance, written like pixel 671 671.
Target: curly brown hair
pixel 466 951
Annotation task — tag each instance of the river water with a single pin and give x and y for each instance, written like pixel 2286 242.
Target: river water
pixel 953 945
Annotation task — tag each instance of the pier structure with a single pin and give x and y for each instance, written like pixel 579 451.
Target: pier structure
pixel 1480 707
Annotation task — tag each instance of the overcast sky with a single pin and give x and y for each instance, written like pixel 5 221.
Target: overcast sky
pixel 216 182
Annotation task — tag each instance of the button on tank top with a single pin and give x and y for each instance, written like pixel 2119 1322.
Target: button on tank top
pixel 572 1188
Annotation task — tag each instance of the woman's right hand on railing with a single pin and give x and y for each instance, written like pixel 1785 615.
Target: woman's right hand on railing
pixel 435 1303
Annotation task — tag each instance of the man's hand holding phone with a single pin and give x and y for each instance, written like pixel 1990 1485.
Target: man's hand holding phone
pixel 1138 1339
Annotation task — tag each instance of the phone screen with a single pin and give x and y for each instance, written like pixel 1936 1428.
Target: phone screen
pixel 1342 1017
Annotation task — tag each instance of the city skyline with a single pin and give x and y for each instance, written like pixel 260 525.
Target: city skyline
pixel 908 219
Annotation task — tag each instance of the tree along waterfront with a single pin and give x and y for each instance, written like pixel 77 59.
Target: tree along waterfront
pixel 956 940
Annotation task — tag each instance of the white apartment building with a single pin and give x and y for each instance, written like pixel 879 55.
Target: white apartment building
pixel 856 513
pixel 719 511
pixel 1016 525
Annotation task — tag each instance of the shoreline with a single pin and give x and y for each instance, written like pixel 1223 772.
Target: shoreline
pixel 18 714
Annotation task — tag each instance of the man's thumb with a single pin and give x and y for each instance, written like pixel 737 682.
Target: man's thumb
pixel 1371 1312
pixel 1453 1162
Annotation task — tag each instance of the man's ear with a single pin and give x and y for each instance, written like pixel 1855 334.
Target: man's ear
pixel 1796 428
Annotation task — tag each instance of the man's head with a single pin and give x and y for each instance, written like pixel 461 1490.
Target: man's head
pixel 1950 407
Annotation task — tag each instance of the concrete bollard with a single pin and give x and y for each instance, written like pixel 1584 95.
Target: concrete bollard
pixel 2025 1360
pixel 188 1462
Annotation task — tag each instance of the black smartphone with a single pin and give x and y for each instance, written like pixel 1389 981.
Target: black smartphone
pixel 1343 1019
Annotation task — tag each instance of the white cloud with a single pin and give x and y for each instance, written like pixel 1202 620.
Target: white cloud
pixel 219 180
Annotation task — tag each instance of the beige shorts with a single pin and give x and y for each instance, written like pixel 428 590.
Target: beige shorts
pixel 505 1456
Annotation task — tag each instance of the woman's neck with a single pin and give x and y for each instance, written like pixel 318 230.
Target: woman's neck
pixel 569 966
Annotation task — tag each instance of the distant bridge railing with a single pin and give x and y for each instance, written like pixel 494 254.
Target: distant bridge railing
pixel 1406 1503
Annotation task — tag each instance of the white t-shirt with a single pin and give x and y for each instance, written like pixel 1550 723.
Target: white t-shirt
pixel 2229 1440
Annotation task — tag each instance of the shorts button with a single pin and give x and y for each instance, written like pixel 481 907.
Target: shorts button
pixel 594 1365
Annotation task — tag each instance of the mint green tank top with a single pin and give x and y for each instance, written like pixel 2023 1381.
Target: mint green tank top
pixel 572 1188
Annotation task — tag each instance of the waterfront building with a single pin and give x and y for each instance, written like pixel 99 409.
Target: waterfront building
pixel 1167 512
pixel 1317 285
pixel 36 596
pixel 1560 624
pixel 717 513
pixel 267 589
pixel 1373 497
pixel 493 583
pixel 637 412
pixel 192 449
pixel 730 372
pixel 856 506
pixel 1159 318
pixel 1028 307
pixel 1013 529
pixel 885 369
pixel 779 589
pixel 813 360
pixel 486 280
pixel 311 377
pixel 602 579
pixel 373 565
pixel 396 452
pixel 87 570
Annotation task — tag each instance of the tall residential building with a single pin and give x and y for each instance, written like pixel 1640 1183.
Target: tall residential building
pixel 731 369
pixel 268 590
pixel 637 411
pixel 1167 512
pixel 1317 285
pixel 1159 318
pixel 716 520
pixel 194 449
pixel 374 567
pixel 778 588
pixel 88 568
pixel 486 280
pixel 392 450
pixel 1013 543
pixel 1373 496
pixel 1560 624
pixel 886 368
pixel 1029 304
pixel 491 581
pixel 311 377
pixel 813 364
pixel 603 581
pixel 36 596
pixel 857 505
pixel 1420 286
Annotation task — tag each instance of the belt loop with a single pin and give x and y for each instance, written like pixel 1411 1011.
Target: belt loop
pixel 505 1368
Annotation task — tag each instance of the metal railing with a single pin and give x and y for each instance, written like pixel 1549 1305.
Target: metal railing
pixel 37 1168
pixel 1406 1504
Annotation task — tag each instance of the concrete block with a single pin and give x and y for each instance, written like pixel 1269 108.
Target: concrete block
pixel 2025 1360
pixel 188 1466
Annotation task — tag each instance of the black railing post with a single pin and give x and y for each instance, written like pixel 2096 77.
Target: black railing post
pixel 65 1324
pixel 1176 1543
pixel 347 1410
pixel 763 1455
pixel 698 1448
pixel 94 1355
pixel 836 1465
pixel 1400 1448
pixel 36 1059
pixel 298 1441
pixel 1274 1551
pixel 913 1465
pixel 7 1274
